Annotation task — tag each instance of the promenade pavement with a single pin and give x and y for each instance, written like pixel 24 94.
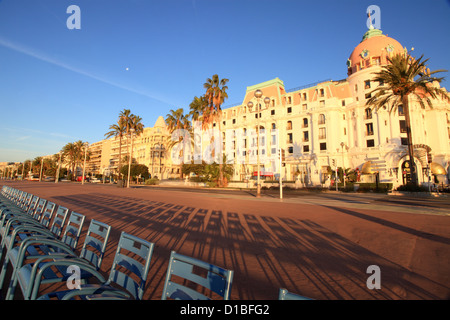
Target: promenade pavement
pixel 314 244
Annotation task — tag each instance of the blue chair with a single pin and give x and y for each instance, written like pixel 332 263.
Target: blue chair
pixel 59 220
pixel 34 245
pixel 26 274
pixel 19 227
pixel 284 294
pixel 27 207
pixel 127 278
pixel 215 281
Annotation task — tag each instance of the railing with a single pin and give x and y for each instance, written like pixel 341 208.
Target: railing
pixel 307 86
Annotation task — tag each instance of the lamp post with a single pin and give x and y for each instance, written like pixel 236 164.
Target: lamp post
pixel 160 153
pixel 258 94
pixel 343 165
pixel 86 145
pixel 129 159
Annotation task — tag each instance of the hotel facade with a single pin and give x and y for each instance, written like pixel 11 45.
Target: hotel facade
pixel 319 126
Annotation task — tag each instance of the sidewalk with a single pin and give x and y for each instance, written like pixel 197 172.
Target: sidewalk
pixel 317 246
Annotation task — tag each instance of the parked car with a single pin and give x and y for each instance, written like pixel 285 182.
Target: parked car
pixel 49 178
pixel 86 179
pixel 95 180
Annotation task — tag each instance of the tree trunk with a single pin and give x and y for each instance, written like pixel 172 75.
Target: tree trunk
pixel 409 140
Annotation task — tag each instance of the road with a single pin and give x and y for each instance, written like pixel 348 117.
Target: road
pixel 315 244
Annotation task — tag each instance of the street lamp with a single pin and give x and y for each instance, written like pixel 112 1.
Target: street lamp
pixel 129 159
pixel 160 153
pixel 258 94
pixel 86 145
pixel 343 166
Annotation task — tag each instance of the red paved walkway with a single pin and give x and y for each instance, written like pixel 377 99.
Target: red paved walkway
pixel 317 251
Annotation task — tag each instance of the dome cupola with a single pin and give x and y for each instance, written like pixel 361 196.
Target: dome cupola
pixel 373 50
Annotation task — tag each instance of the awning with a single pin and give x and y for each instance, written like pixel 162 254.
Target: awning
pixel 436 168
pixel 264 173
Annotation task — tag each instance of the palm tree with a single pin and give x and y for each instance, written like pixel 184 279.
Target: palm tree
pixel 118 131
pixel 175 120
pixel 198 107
pixel 216 93
pixel 70 154
pixel 402 78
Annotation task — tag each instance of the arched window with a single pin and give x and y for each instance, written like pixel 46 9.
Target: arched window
pixel 321 118
pixel 289 125
pixel 305 123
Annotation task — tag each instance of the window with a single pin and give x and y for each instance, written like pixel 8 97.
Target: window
pixel 402 126
pixel 290 149
pixel 368 95
pixel 367 84
pixel 289 110
pixel 321 118
pixel 272 112
pixel 345 131
pixel 323 146
pixel 322 133
pixel 304 96
pixel 274 126
pixel 343 103
pixel 401 112
pixel 289 100
pixel 370 143
pixel 305 136
pixel 306 148
pixel 304 107
pixel 305 123
pixel 322 103
pixel 404 141
pixel 369 129
pixel 322 93
pixel 289 138
pixel 368 113
pixel 289 125
pixel 234 121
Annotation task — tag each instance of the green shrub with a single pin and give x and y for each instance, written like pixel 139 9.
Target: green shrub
pixel 152 182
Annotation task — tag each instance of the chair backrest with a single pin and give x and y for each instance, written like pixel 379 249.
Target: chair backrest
pixel 73 229
pixel 47 214
pixel 215 281
pixel 286 295
pixel 94 245
pixel 131 264
pixel 59 220
pixel 26 203
pixel 38 208
pixel 21 196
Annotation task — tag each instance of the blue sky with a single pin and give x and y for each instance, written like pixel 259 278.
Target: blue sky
pixel 59 85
